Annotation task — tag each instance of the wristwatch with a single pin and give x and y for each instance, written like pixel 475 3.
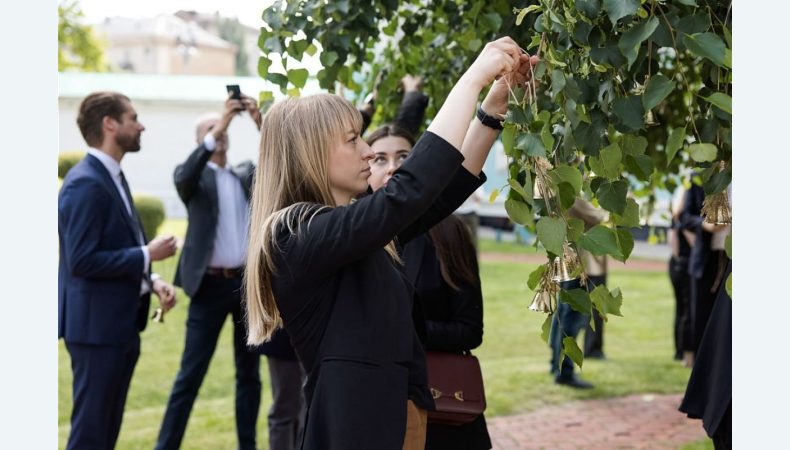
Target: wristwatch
pixel 489 121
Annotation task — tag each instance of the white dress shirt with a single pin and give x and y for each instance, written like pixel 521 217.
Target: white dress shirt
pixel 114 168
pixel 230 240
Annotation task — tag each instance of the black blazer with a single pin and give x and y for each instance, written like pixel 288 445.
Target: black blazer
pixel 450 321
pixel 100 264
pixel 197 186
pixel 347 305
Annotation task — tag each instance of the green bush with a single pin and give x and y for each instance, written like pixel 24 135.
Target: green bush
pixel 152 213
pixel 67 160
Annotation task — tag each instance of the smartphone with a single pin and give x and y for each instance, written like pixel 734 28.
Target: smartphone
pixel 235 93
pixel 234 90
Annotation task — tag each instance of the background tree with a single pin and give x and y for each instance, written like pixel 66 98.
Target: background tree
pixel 78 46
pixel 233 31
pixel 633 95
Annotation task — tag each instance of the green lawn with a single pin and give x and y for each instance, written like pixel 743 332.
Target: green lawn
pixel 514 359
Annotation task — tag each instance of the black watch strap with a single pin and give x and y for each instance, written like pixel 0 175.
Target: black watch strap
pixel 489 121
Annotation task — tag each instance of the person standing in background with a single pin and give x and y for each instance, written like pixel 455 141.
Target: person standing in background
pixel 104 271
pixel 210 270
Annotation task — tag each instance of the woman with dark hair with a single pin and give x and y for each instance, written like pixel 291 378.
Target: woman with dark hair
pixel 442 265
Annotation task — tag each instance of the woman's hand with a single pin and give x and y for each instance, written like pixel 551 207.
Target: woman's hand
pixel 498 58
pixel 495 103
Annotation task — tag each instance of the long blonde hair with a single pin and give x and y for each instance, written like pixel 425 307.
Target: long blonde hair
pixel 297 136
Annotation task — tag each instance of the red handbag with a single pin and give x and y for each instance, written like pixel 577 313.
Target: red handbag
pixel 456 384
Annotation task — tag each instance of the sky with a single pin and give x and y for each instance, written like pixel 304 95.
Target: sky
pixel 247 11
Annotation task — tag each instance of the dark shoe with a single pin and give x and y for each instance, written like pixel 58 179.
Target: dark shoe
pixel 574 382
pixel 595 355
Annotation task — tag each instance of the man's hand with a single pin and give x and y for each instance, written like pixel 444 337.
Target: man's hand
pixel 252 107
pixel 162 247
pixel 411 83
pixel 495 103
pixel 166 294
pixel 232 108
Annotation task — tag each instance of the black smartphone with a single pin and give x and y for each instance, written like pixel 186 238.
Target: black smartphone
pixel 234 90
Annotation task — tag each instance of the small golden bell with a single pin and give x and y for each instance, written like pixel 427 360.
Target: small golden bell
pixel 716 209
pixel 542 302
pixel 159 316
pixel 650 120
pixel 566 265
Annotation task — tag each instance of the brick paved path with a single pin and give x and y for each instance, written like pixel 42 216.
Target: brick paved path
pixel 633 422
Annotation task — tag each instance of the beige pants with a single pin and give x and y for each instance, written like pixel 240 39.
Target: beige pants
pixel 416 427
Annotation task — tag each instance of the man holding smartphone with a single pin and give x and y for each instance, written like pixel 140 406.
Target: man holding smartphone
pixel 216 196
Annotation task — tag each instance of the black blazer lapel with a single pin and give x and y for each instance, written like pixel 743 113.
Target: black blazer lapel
pixel 209 179
pixel 110 185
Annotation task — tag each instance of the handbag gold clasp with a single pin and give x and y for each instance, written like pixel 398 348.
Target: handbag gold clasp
pixel 459 395
pixel 435 393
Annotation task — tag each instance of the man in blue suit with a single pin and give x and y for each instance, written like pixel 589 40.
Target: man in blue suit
pixel 104 273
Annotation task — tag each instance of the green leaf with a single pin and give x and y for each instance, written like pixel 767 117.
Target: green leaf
pixel 625 240
pixel 617 9
pixel 572 349
pixel 575 228
pixel 519 189
pixel 611 196
pixel 675 142
pixel 630 217
pixel 657 89
pixel 311 50
pixel 717 182
pixel 633 145
pixel 531 144
pixel 263 66
pixel 728 285
pixel 545 329
pixel 567 174
pixel 632 39
pixel 578 299
pixel 640 165
pixel 474 44
pixel 493 196
pixel 567 195
pixel 278 79
pixel 298 77
pixel 552 233
pixel 703 152
pixel 723 101
pixel 328 58
pixel 630 113
pixel 589 8
pixel 607 302
pixel 519 212
pixel 524 11
pixel 557 82
pixel 688 2
pixel 508 139
pixel 607 163
pixel 534 277
pixel 601 240
pixel 707 45
pixel 728 246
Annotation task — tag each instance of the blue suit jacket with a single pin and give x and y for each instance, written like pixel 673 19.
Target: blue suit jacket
pixel 100 265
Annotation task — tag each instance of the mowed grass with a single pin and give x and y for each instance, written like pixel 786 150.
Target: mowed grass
pixel 513 357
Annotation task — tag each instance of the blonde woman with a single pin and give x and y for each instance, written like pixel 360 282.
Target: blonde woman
pixel 327 270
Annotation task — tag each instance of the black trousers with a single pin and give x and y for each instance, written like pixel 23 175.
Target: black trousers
pixel 208 309
pixel 102 374
pixel 593 339
pixel 678 274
